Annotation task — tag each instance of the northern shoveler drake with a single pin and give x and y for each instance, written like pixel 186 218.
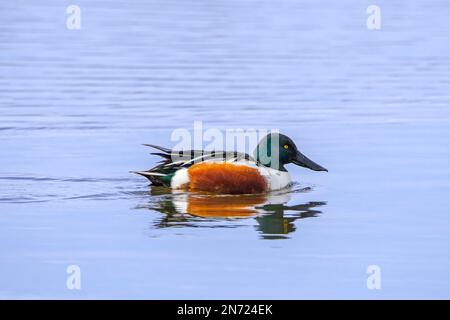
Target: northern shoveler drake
pixel 228 172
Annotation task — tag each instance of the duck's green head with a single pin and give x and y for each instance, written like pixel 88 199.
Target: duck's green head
pixel 276 150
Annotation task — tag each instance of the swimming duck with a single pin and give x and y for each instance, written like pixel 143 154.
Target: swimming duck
pixel 228 172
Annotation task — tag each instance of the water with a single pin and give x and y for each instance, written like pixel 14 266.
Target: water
pixel 371 106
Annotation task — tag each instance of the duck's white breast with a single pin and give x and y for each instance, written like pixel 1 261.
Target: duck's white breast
pixel 275 178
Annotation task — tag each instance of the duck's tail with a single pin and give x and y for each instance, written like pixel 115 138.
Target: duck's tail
pixel 156 178
pixel 159 175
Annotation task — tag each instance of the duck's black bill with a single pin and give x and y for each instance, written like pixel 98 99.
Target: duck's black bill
pixel 304 161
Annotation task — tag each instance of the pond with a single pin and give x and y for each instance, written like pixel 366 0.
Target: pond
pixel 372 106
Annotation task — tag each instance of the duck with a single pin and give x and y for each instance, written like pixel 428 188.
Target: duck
pixel 229 172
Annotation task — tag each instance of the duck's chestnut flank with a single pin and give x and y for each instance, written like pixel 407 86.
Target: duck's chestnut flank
pixel 226 178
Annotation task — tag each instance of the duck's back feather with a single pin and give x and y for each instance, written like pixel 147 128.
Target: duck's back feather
pixel 174 161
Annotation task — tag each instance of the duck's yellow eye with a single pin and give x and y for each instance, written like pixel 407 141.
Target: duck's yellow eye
pixel 286 146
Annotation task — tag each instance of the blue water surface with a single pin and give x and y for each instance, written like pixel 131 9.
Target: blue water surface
pixel 372 106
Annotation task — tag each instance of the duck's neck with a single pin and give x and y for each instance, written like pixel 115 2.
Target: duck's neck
pixel 267 162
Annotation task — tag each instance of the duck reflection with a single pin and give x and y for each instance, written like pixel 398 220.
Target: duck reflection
pixel 275 219
pixel 278 219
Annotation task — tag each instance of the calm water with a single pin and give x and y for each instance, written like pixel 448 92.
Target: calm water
pixel 371 106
